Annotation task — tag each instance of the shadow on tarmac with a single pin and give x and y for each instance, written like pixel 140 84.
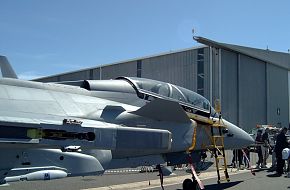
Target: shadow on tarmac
pixel 260 170
pixel 276 175
pixel 220 186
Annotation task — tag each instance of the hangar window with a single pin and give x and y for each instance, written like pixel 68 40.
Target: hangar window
pixel 139 68
pixel 200 71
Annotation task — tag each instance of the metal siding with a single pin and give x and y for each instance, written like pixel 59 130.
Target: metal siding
pixel 128 69
pixel 252 89
pixel 157 68
pixel 277 91
pixel 193 69
pixel 96 74
pixel 229 86
pixel 174 68
pixel 215 75
pixel 206 74
pixel 80 75
pixel 49 79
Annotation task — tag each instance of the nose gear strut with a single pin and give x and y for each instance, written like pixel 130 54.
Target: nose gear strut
pixel 160 175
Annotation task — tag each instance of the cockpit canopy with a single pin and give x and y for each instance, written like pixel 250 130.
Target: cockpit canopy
pixel 152 88
pixel 148 90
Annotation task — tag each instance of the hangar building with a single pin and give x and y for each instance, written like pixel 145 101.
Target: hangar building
pixel 252 84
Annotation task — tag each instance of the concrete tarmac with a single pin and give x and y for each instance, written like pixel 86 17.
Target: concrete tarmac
pixel 132 179
pixel 239 180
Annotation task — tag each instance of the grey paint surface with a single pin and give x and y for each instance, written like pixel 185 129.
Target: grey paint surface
pixel 279 59
pixel 206 73
pixel 125 69
pixel 6 69
pixel 230 86
pixel 277 90
pixel 79 75
pixel 252 88
pixel 178 68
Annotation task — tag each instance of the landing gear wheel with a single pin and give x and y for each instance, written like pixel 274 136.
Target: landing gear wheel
pixel 189 184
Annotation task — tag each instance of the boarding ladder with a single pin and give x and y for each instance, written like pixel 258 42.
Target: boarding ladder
pixel 216 145
pixel 216 142
pixel 218 150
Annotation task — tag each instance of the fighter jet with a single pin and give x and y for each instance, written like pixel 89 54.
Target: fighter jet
pixel 80 128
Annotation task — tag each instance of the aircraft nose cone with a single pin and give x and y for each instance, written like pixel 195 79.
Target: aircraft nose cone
pixel 236 138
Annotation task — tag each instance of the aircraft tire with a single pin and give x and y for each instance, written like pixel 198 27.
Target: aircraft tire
pixel 188 184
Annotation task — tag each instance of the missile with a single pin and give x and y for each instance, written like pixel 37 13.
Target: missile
pixel 39 175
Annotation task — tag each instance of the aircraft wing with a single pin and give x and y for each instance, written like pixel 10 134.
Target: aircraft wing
pixel 163 110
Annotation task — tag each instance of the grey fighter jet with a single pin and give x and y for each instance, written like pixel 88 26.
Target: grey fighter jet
pixel 55 130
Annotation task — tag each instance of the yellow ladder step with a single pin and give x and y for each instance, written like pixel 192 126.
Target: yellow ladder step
pixel 217 136
pixel 216 125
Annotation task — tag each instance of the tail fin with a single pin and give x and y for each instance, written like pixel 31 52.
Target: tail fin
pixel 5 68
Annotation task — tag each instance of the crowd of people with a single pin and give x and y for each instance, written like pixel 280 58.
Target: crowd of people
pixel 264 148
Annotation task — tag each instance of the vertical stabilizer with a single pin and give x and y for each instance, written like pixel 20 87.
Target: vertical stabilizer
pixel 6 71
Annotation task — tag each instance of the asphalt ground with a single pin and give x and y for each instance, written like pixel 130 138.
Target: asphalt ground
pixel 239 180
pixel 133 179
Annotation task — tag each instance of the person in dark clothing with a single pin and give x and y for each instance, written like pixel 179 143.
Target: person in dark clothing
pixel 259 142
pixel 265 147
pixel 281 143
pixel 237 160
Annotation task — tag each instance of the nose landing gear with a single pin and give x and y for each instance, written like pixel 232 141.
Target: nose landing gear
pixel 189 184
pixel 160 175
pixel 195 183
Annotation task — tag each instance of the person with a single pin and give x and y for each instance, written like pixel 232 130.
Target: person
pixel 246 157
pixel 265 147
pixel 281 143
pixel 237 158
pixel 273 167
pixel 259 142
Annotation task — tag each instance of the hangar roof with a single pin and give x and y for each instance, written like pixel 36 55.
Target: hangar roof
pixel 277 58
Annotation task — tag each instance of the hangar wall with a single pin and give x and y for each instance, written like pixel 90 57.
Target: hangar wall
pixel 229 79
pixel 277 95
pixel 252 92
pixel 114 71
pixel 178 68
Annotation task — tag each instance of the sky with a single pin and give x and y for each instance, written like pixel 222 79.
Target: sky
pixel 47 37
